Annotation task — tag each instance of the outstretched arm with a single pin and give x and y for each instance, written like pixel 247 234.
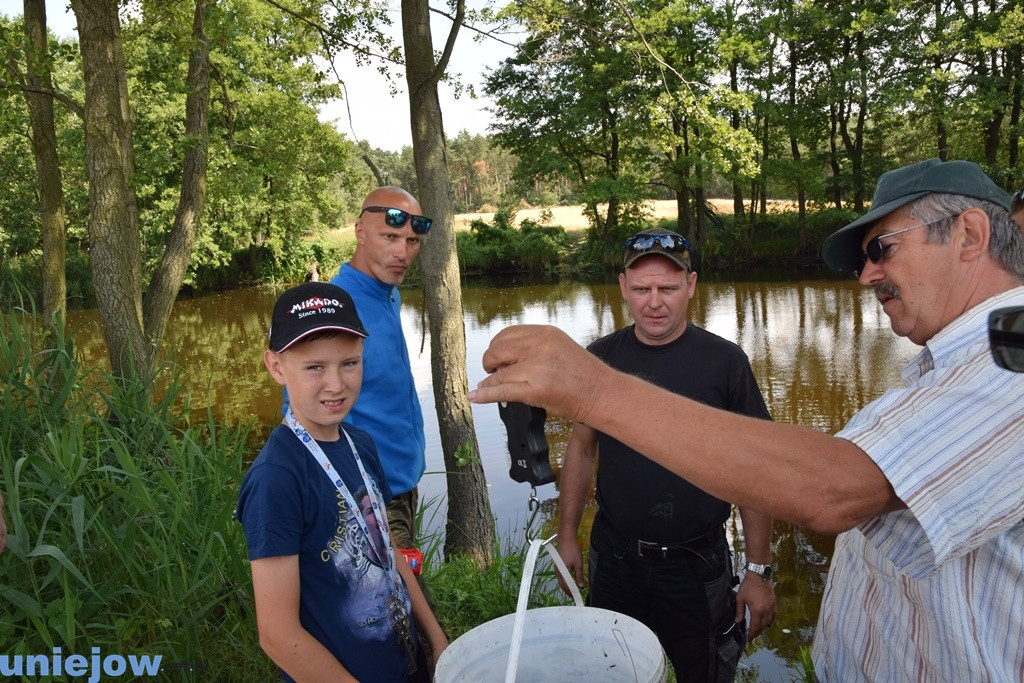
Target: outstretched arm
pixel 786 471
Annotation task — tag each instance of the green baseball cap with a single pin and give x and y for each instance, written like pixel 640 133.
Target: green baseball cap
pixel 842 250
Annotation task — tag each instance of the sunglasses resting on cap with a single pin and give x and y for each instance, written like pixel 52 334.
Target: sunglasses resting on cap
pixel 396 218
pixel 657 241
pixel 646 242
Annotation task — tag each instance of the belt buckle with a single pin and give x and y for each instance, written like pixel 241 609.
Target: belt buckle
pixel 662 550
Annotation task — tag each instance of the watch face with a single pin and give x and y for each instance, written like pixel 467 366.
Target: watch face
pixel 767 573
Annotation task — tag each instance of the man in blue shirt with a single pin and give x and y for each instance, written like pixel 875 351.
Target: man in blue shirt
pixel 388 238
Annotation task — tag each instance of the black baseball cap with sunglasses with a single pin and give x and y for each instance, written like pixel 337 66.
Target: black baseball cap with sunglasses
pixel 842 250
pixel 396 218
pixel 670 244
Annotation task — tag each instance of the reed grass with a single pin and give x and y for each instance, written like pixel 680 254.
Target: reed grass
pixel 121 530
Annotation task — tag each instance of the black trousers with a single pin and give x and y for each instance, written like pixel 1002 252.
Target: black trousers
pixel 687 599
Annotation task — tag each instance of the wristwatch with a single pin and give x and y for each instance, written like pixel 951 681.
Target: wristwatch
pixel 762 570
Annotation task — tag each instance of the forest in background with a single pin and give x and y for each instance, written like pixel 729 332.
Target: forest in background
pixel 603 104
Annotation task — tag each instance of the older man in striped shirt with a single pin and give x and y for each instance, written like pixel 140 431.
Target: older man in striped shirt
pixel 924 485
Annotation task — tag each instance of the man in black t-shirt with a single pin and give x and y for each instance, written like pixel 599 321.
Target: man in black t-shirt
pixel 658 550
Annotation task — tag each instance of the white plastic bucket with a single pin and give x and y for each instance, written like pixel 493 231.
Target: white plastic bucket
pixel 554 643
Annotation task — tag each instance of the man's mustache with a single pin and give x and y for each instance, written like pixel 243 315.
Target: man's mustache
pixel 886 290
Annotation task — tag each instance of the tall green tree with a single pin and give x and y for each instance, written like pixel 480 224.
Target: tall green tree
pixel 693 54
pixel 470 525
pixel 567 105
pixel 115 244
pixel 38 88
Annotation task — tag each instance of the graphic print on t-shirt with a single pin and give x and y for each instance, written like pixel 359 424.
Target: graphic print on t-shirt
pixel 360 571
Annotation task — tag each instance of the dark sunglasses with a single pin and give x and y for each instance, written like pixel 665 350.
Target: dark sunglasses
pixel 673 243
pixel 397 218
pixel 1006 334
pixel 876 252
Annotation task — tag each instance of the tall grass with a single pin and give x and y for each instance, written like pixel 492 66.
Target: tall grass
pixel 120 521
pixel 465 595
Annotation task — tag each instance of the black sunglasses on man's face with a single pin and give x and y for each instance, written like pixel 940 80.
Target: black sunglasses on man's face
pixel 396 218
pixel 1006 334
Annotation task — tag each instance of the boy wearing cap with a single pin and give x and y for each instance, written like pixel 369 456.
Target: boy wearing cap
pixel 334 601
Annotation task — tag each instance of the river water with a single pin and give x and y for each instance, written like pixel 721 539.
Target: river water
pixel 820 350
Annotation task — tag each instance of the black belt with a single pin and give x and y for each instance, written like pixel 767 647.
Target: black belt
pixel 664 551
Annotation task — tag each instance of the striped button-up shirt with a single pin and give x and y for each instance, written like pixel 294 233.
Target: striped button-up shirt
pixel 936 592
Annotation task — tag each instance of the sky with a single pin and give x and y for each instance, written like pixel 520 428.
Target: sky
pixel 379 117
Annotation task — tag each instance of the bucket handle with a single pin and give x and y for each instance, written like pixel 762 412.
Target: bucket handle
pixel 524 595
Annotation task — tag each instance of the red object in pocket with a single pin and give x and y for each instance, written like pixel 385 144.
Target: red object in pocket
pixel 414 557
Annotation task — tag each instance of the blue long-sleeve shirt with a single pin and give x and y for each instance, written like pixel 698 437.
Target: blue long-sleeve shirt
pixel 388 406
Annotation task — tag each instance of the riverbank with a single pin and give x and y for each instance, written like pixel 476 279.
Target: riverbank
pixel 556 240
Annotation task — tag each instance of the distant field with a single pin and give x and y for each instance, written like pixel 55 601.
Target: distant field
pixel 572 218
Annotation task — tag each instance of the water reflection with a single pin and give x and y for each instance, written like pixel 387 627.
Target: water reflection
pixel 820 351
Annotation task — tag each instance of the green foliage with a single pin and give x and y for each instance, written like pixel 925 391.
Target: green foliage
pixel 603 104
pixel 761 100
pixel 807 664
pixel 20 237
pixel 464 455
pixel 776 238
pixel 277 175
pixel 567 103
pixel 501 247
pixel 464 595
pixel 121 531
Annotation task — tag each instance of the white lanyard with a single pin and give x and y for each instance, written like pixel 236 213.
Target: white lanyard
pixel 371 490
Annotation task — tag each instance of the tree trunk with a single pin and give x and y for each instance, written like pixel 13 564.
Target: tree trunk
pixel 470 528
pixel 166 281
pixel 833 156
pixel 794 149
pixel 738 210
pixel 44 146
pixel 937 83
pixel 115 254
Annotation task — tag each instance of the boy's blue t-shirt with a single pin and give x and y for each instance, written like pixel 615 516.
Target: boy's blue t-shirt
pixel 288 506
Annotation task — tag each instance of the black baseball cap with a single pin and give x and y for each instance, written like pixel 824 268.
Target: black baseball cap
pixel 312 307
pixel 842 250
